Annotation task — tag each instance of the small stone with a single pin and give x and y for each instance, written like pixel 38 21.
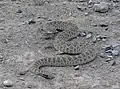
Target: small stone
pixel 108 59
pixel 86 13
pixel 91 1
pixel 31 22
pixel 22 72
pixel 103 25
pixel 19 11
pixel 2 28
pixel 102 7
pixel 81 8
pixel 109 56
pixel 83 34
pixel 94 39
pixel 69 0
pixel 88 35
pixel 108 47
pixel 7 83
pixel 76 67
pixel 102 55
pixel 115 52
pixel 116 47
pixel 22 79
pixel 115 1
pixel 104 39
pixel 113 62
pixel 1 56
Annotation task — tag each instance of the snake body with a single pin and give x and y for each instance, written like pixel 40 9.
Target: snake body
pixel 84 49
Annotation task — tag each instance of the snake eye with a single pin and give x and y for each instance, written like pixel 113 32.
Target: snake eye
pixel 59 30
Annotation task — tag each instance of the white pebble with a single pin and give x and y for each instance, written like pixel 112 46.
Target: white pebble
pixel 89 35
pixel 8 83
pixel 102 7
pixel 115 52
pixel 76 67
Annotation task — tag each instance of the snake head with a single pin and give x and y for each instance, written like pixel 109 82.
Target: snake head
pixel 53 27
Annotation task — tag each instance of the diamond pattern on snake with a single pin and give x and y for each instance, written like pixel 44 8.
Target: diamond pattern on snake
pixel 74 53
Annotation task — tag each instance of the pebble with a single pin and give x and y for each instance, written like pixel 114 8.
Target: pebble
pixel 104 39
pixel 115 1
pixel 76 67
pixel 8 83
pixel 103 24
pixel 88 36
pixel 31 22
pixel 86 13
pixel 83 34
pixel 1 56
pixel 2 28
pixel 115 52
pixel 91 1
pixel 116 47
pixel 22 72
pixel 108 59
pixel 102 55
pixel 81 8
pixel 113 62
pixel 94 39
pixel 99 37
pixel 102 7
pixel 108 48
pixel 19 11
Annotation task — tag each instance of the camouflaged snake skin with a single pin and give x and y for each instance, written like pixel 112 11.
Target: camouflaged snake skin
pixel 85 50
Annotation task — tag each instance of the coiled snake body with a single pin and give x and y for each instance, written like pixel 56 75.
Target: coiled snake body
pixel 84 50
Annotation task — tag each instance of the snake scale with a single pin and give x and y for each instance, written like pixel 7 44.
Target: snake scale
pixel 75 53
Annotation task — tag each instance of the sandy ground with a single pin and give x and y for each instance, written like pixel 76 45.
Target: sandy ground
pixel 21 42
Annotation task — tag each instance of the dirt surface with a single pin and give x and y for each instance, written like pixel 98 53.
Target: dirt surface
pixel 22 42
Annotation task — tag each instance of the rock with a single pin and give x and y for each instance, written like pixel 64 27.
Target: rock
pixel 7 83
pixel 108 48
pixel 81 8
pixel 103 24
pixel 88 36
pixel 116 47
pixel 104 39
pixel 94 39
pixel 31 22
pixel 102 7
pixel 19 11
pixel 102 55
pixel 113 62
pixel 99 38
pixel 86 13
pixel 76 67
pixel 22 72
pixel 2 28
pixel 115 52
pixel 83 34
pixel 108 59
pixel 109 56
pixel 13 0
pixel 91 1
pixel 1 56
pixel 115 1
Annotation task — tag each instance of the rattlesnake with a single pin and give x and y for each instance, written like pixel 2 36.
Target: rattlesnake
pixel 74 53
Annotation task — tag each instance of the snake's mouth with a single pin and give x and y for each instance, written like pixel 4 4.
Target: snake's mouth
pixel 72 54
pixel 59 30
